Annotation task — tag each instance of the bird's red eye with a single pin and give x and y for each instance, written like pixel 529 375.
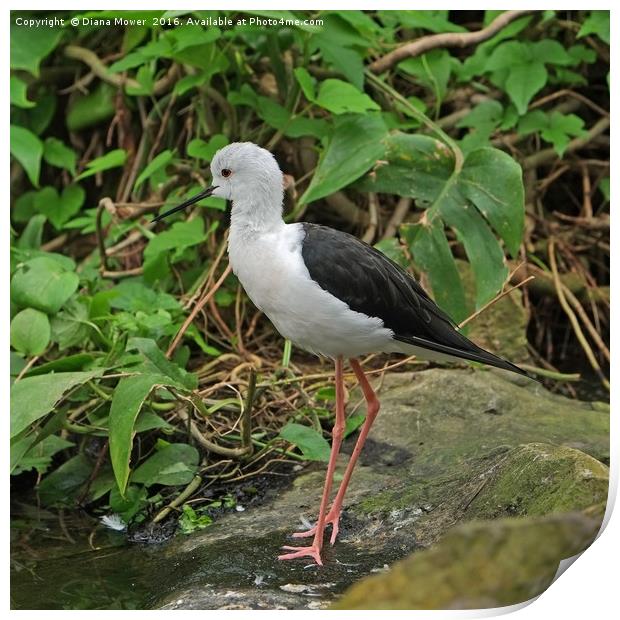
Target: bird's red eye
pixel 226 172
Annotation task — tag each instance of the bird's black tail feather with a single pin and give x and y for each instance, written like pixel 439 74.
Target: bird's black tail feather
pixel 465 349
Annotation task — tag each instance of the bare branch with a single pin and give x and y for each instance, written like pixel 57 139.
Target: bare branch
pixel 448 39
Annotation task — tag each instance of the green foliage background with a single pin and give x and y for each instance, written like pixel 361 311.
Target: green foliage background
pixel 136 112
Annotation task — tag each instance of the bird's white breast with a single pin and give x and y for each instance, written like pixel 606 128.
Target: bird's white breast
pixel 270 267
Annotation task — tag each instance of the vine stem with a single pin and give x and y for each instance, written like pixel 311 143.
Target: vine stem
pixel 189 490
pixel 196 310
pixel 495 299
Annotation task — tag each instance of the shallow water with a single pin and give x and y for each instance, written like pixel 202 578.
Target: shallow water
pixel 100 570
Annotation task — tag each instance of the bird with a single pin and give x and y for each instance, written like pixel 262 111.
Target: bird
pixel 330 294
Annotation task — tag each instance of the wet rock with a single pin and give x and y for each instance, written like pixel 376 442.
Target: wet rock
pixel 449 446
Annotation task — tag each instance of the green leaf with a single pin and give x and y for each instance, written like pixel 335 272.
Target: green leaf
pixel 341 97
pixel 190 521
pixel 37 457
pixel 208 58
pixel 179 236
pixel 206 150
pixel 432 70
pixel 30 332
pixel 492 180
pixel 604 186
pixel 293 126
pixel 161 364
pixel 191 36
pixel 483 120
pixel 352 423
pixel 71 327
pixel 555 128
pixel 113 159
pixel 19 94
pixel 23 207
pixel 133 36
pixel 550 52
pixel 129 396
pixel 27 150
pixel 29 46
pixel 419 167
pixel 34 397
pixel 486 113
pixel 245 96
pixel 344 60
pixel 146 82
pixel 435 21
pixel 59 209
pixel 523 82
pixel 147 421
pixel 488 185
pixel 581 53
pixel 57 154
pixel 44 284
pixel 597 23
pixel 134 296
pixel 173 465
pixel 190 81
pixel 307 83
pixel 62 486
pixel 134 500
pixel 560 128
pixel 33 233
pixel 91 109
pixel 163 159
pixel 68 363
pixel 312 444
pixel 432 254
pixel 482 249
pixel 355 147
pixel 41 115
pixel 536 120
pixel 566 76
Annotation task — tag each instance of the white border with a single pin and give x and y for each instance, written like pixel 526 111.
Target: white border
pixel 589 587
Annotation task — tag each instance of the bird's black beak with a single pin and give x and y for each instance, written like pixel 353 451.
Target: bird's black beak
pixel 197 198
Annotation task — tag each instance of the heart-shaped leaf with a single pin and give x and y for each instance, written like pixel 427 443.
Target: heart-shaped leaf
pixel 30 332
pixel 312 444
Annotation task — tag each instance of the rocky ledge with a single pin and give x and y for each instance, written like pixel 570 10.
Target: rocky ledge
pixel 472 488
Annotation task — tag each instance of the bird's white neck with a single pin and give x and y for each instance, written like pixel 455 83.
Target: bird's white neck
pixel 256 214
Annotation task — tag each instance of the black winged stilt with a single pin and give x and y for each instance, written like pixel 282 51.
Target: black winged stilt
pixel 330 294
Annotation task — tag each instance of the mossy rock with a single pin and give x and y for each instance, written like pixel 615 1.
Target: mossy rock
pixel 444 418
pixel 500 561
pixel 538 479
pixel 478 565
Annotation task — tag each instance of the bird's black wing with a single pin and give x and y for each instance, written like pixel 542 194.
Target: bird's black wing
pixel 369 282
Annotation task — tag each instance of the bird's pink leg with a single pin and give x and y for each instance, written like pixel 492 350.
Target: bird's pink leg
pixel 373 405
pixel 314 550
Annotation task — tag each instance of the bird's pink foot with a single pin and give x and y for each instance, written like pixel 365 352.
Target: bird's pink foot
pixel 301 552
pixel 332 518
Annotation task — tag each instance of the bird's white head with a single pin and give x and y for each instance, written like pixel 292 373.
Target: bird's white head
pixel 243 171
pixel 250 177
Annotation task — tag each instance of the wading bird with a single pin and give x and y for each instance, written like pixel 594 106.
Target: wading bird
pixel 330 294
